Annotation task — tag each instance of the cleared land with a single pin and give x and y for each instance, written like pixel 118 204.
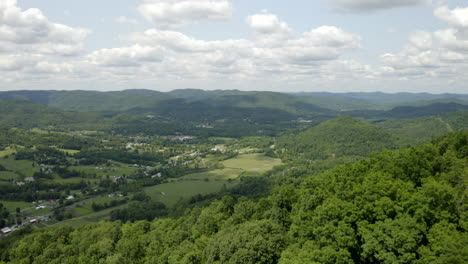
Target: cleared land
pixel 23 168
pixel 12 205
pixel 252 163
pixel 211 181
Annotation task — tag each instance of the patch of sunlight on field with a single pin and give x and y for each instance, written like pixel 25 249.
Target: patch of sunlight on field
pixel 252 163
pixel 171 193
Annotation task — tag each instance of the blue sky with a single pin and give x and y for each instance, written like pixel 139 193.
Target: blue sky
pixel 296 45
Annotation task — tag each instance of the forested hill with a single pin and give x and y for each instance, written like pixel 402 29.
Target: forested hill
pixel 296 103
pixel 90 101
pixel 343 136
pixel 385 101
pixel 435 109
pixel 405 206
pixel 26 114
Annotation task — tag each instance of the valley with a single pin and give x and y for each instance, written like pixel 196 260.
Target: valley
pixel 225 160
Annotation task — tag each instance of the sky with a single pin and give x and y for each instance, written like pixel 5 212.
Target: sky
pixel 264 45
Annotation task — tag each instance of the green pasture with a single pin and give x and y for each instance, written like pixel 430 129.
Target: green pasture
pixel 222 174
pixel 21 167
pixel 171 193
pixel 38 212
pixel 211 181
pixel 12 205
pixel 118 170
pixel 256 162
pixel 68 151
pixel 85 209
pixel 7 152
pixel 8 175
pixel 87 219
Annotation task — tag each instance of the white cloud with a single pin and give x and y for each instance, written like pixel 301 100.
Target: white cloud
pixel 443 53
pixel 180 42
pixel 175 13
pixel 421 40
pixel 17 62
pixel 127 56
pixel 33 48
pixel 269 28
pixel 266 50
pixel 275 52
pixel 452 39
pixel 457 17
pixel 30 31
pixel 369 5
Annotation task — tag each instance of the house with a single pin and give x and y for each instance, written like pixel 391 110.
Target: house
pixel 20 183
pixel 29 179
pixel 70 197
pixel 158 175
pixel 6 230
pixel 40 207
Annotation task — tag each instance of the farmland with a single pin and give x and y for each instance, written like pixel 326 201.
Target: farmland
pixel 211 181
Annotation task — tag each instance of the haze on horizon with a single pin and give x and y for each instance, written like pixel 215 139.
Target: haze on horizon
pixel 325 45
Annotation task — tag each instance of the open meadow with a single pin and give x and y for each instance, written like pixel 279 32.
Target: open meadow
pixel 211 181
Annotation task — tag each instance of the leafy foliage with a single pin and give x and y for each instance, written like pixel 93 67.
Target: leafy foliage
pixel 405 206
pixel 336 138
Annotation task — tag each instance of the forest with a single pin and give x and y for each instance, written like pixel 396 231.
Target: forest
pixel 246 177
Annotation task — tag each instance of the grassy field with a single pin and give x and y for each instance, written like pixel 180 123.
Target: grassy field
pixel 71 180
pixel 38 212
pixel 252 163
pixel 69 151
pixel 7 152
pixel 8 175
pixel 171 193
pixel 11 206
pixel 22 167
pixel 211 181
pixel 87 219
pixel 118 170
pixel 223 174
pixel 86 209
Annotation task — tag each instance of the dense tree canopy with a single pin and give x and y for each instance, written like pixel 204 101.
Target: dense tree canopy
pixel 405 206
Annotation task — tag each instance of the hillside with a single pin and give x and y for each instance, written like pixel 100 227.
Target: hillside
pixel 270 100
pixel 336 138
pixel 90 101
pixel 435 109
pixel 403 206
pixel 308 105
pixel 419 130
pixel 26 114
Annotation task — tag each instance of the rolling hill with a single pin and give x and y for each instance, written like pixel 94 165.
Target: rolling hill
pixel 335 138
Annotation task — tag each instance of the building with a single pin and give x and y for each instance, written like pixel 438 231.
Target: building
pixel 6 230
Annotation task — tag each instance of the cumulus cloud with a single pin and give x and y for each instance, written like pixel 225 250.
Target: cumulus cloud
pixel 457 17
pixel 175 13
pixel 125 57
pixel 30 31
pixel 431 54
pixel 180 42
pixel 268 27
pixel 370 5
pixel 274 43
pixel 32 47
pixel 275 51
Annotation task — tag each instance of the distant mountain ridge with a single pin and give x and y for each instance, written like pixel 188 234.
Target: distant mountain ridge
pixel 88 101
pixel 247 106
